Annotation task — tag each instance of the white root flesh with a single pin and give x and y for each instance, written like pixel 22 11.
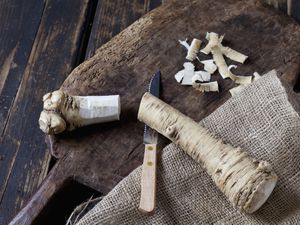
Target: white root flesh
pixel 215 41
pixel 206 87
pixel 201 76
pixel 246 182
pixel 193 50
pixel 179 76
pixel 184 44
pixel 65 112
pixel 209 66
pixel 188 73
pixel 225 71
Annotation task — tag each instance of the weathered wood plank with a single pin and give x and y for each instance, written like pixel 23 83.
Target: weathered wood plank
pixel 53 55
pixel 16 40
pixel 295 9
pixel 290 7
pixel 114 16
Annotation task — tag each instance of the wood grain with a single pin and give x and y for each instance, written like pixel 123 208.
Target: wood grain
pixel 36 63
pixel 290 7
pixel 112 17
pixel 16 41
pixel 148 180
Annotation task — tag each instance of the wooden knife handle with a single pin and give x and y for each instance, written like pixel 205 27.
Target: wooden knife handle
pixel 148 180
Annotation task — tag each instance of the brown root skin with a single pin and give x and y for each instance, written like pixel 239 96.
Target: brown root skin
pixel 246 182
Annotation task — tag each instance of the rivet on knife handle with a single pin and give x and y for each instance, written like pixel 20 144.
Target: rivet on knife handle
pixel 148 180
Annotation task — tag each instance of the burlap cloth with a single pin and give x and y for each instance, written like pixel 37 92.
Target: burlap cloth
pixel 264 122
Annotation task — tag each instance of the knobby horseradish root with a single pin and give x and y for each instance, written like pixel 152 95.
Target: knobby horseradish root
pixel 65 112
pixel 246 182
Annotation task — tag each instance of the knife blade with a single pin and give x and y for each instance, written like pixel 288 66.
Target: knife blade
pixel 148 179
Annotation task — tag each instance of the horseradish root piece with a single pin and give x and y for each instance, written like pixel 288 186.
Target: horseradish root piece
pixel 65 112
pixel 209 65
pixel 246 182
pixel 233 55
pixel 193 49
pixel 206 87
pixel 225 71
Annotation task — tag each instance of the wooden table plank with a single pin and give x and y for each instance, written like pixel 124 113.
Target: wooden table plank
pixel 114 16
pixel 16 40
pixel 290 7
pixel 51 58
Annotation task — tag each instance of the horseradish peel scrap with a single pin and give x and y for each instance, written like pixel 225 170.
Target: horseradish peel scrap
pixel 201 76
pixel 193 50
pixel 215 41
pixel 209 66
pixel 236 90
pixel 197 79
pixel 224 70
pixel 206 87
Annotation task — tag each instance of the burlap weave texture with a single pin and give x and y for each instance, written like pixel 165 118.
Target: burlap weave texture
pixel 263 121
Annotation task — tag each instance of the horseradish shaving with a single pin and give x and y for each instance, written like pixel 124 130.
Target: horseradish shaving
pixel 201 80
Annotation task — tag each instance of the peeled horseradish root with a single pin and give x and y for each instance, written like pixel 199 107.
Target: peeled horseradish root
pixel 246 182
pixel 65 112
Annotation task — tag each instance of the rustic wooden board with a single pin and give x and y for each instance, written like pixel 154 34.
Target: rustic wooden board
pixel 290 7
pixel 100 156
pixel 125 65
pixel 40 40
pixel 112 17
pixel 16 41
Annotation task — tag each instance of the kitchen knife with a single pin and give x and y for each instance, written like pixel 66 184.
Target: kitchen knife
pixel 148 180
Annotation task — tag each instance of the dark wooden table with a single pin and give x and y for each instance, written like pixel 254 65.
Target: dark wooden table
pixel 40 43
